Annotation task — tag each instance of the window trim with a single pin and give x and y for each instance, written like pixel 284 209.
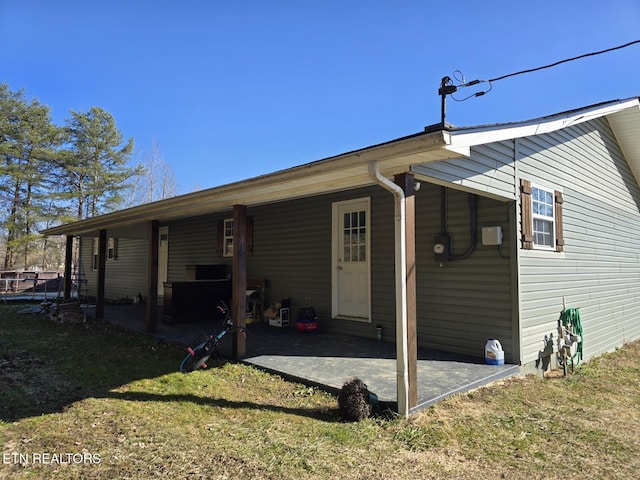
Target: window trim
pixel 538 216
pixel 527 217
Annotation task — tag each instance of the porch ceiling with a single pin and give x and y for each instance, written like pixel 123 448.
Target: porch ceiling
pixel 342 172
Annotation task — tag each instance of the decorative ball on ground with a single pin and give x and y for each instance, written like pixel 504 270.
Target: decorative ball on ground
pixel 353 400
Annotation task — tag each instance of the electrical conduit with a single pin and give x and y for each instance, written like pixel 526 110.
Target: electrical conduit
pixel 402 357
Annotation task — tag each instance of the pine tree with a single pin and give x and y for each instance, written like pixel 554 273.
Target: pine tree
pixel 51 174
pixel 28 142
pixel 94 163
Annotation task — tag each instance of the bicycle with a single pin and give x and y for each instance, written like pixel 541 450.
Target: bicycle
pixel 198 356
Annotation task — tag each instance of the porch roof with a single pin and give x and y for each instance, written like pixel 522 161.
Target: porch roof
pixel 345 171
pixel 350 170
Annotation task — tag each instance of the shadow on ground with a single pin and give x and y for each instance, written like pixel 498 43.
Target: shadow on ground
pixel 46 366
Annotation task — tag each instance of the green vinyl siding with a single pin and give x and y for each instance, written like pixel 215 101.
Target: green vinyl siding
pixel 490 170
pixel 192 241
pixel 458 306
pixel 292 251
pixel 464 302
pixel 125 276
pixel 599 272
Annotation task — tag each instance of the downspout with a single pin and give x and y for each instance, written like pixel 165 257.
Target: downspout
pixel 402 356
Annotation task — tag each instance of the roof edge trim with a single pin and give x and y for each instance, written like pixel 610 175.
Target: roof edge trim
pixel 470 136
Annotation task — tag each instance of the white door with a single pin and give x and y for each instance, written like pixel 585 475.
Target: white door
pixel 351 252
pixel 163 258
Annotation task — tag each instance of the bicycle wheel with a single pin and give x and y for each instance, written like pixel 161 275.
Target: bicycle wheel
pixel 194 361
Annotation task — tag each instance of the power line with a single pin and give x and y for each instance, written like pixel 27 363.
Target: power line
pixel 591 54
pixel 448 88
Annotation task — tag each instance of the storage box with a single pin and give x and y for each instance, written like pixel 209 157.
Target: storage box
pixel 281 319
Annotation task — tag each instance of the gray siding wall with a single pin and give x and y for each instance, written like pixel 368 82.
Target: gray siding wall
pixel 192 241
pixel 125 277
pixel 599 272
pixel 489 170
pixel 464 302
pixel 460 305
pixel 84 268
pixel 292 252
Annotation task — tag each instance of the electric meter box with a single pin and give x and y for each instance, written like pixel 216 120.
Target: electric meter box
pixel 492 235
pixel 442 248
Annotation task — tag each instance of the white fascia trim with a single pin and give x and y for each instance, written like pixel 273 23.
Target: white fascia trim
pixel 452 145
pixel 495 133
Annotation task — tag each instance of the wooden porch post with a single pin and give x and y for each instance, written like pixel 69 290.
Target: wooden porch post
pixel 407 183
pixel 102 258
pixel 151 320
pixel 239 300
pixel 68 261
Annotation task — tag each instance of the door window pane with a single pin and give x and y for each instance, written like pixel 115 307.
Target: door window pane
pixel 355 236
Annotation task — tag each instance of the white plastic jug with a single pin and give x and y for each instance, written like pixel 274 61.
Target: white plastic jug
pixel 493 353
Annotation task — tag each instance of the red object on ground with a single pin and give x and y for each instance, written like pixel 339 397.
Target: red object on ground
pixel 306 326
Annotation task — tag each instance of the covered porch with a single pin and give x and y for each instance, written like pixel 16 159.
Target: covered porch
pixel 325 361
pixel 322 188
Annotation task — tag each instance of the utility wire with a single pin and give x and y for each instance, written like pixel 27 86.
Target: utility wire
pixel 564 61
pixel 447 86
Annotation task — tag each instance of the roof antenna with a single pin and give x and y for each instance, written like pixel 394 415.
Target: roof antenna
pixel 446 88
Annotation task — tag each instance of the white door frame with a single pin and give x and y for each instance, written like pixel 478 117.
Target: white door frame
pixel 337 264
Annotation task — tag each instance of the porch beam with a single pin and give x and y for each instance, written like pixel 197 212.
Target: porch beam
pixel 239 293
pixel 406 181
pixel 102 263
pixel 151 318
pixel 68 262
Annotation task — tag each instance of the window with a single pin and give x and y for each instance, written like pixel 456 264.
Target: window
pixel 227 240
pixel 225 237
pixel 94 257
pixel 354 229
pixel 112 251
pixel 541 217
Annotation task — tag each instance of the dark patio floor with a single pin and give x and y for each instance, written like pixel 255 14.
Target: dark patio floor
pixel 326 361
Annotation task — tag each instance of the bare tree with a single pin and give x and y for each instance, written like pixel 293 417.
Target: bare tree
pixel 156 181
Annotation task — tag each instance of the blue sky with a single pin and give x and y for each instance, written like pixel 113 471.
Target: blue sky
pixel 235 89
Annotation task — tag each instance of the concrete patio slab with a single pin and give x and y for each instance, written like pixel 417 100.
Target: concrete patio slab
pixel 326 361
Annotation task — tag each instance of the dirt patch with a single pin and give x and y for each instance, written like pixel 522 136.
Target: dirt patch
pixel 553 374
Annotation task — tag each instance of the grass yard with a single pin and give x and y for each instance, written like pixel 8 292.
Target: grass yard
pixel 94 401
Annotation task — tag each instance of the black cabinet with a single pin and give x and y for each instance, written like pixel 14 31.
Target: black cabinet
pixel 194 301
